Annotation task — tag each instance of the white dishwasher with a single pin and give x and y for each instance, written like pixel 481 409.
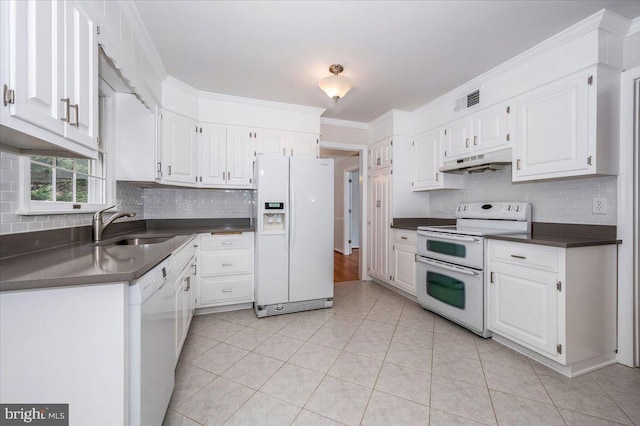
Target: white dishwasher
pixel 151 345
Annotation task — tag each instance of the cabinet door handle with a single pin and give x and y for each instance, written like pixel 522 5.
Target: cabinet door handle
pixel 227 290
pixel 228 176
pixel 292 152
pixel 378 203
pixel 437 177
pixel 378 162
pixel 517 256
pixel 518 164
pixel 77 123
pixel 67 107
pixel 195 269
pixel 466 142
pixel 475 140
pixel 169 170
pixel 284 151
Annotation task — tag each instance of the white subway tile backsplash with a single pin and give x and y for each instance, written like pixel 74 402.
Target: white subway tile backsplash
pixel 171 203
pixel 564 201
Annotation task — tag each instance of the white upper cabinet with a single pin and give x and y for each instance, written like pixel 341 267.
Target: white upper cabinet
pixel 179 135
pixel 286 143
pixel 458 136
pixel 37 56
pixel 554 129
pixel 50 75
pixel 491 128
pixel 303 145
pixel 381 154
pixel 239 158
pixel 270 142
pixel 426 160
pixel 81 74
pixel 212 155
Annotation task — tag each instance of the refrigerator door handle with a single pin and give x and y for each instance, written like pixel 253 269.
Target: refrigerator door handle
pixel 287 216
pixel 292 213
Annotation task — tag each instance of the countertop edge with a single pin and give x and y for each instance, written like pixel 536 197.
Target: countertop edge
pixel 540 240
pixel 116 277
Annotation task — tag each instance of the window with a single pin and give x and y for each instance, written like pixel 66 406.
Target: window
pixel 67 180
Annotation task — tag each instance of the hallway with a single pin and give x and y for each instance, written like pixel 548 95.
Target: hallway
pixel 345 268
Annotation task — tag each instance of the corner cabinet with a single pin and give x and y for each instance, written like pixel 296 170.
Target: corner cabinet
pixel 568 128
pixel 558 303
pixel 426 160
pixel 50 74
pixel 379 224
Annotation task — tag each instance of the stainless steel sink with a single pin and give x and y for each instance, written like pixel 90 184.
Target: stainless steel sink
pixel 134 240
pixel 140 241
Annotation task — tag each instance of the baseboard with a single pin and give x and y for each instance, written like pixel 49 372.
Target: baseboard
pixel 573 370
pixel 227 308
pixel 338 250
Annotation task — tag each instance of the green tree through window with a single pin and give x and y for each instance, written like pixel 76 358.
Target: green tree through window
pixel 72 180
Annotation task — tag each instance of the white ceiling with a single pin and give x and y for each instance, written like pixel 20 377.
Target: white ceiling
pixel 400 54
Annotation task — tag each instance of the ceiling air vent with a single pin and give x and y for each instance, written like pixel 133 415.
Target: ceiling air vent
pixel 467 101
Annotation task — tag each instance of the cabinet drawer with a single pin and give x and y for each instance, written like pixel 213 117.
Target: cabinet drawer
pixel 404 236
pixel 212 242
pixel 227 263
pixel 215 291
pixel 533 256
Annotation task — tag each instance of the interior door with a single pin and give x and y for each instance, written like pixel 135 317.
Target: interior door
pixel 37 67
pixel 311 229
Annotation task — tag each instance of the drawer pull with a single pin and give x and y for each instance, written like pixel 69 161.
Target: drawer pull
pixel 227 264
pixel 227 243
pixel 403 238
pixel 227 290
pixel 518 256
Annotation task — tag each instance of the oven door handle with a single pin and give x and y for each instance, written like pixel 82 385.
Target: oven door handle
pixel 447 266
pixel 449 236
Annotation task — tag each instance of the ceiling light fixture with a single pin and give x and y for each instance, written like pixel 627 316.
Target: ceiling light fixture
pixel 336 86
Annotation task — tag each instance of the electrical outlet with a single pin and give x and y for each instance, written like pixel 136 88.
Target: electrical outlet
pixel 185 206
pixel 599 206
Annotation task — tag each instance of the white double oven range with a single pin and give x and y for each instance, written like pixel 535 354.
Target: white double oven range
pixel 451 260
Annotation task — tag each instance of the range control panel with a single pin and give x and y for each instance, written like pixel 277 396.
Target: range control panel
pixel 505 210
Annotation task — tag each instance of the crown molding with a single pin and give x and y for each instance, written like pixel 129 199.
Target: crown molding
pixel 605 19
pixel 635 27
pixel 141 29
pixel 344 123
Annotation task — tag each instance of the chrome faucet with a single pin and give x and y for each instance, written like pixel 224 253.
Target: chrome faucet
pixel 99 226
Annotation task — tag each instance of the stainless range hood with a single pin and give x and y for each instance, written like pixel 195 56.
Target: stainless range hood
pixel 479 163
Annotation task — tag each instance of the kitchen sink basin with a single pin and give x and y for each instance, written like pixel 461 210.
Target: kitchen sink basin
pixel 134 240
pixel 140 241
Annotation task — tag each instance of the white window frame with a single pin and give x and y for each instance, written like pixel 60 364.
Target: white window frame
pixel 30 207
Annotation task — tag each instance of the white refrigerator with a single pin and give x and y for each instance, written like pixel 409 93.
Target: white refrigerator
pixel 294 241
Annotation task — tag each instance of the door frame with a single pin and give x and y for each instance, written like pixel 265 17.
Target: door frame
pixel 346 237
pixel 363 161
pixel 627 223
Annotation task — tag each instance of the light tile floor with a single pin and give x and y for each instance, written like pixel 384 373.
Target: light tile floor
pixel 376 358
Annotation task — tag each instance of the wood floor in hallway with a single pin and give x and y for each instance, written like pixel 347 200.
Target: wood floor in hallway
pixel 345 268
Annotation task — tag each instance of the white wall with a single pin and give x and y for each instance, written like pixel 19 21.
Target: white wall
pixel 338 207
pixel 631 51
pixel 561 201
pixel 351 135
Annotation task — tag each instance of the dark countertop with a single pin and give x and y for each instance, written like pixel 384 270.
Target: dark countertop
pixel 85 263
pixel 412 223
pixel 565 235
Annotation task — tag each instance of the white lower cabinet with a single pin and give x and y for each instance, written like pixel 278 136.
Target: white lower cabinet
pixel 404 260
pixel 225 269
pixel 556 302
pixel 183 305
